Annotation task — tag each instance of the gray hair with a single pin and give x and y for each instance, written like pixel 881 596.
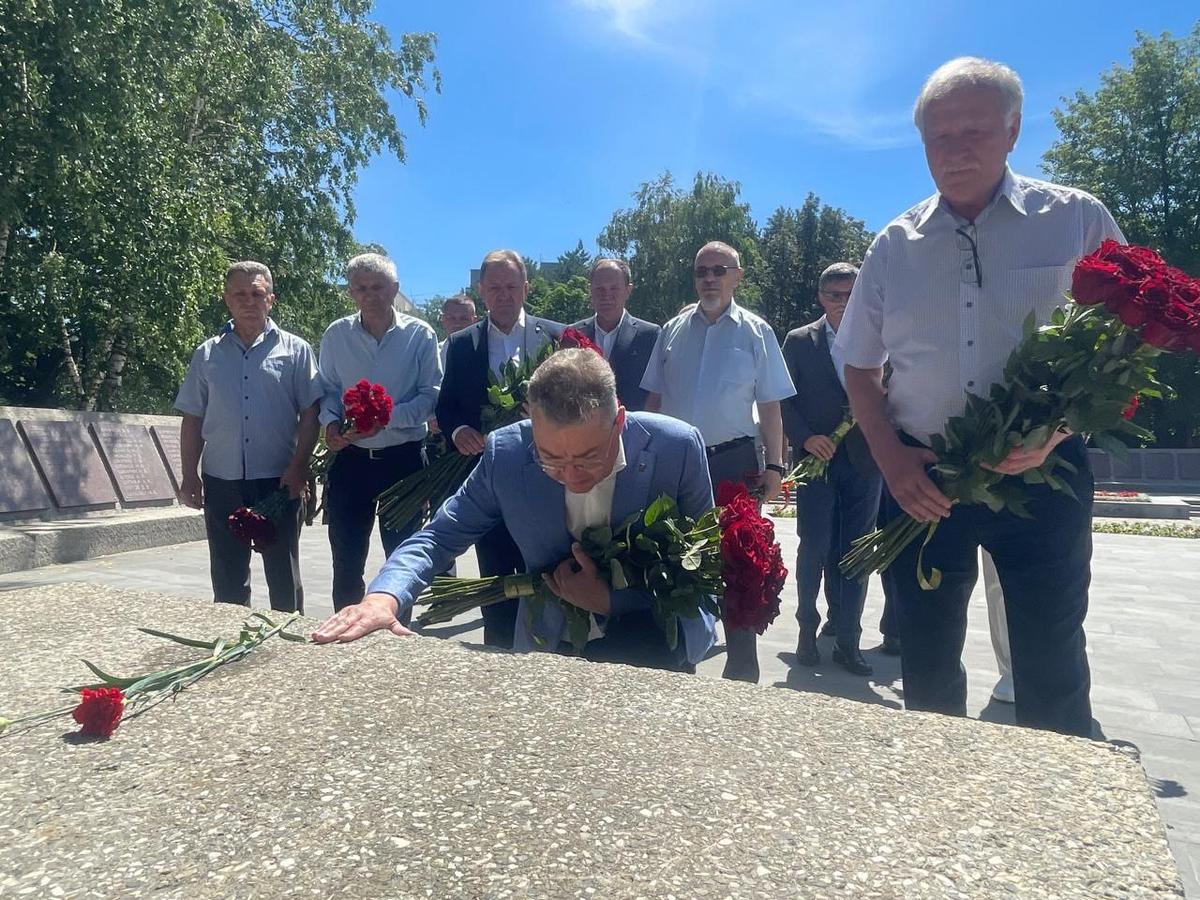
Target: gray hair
pixel 721 245
pixel 839 271
pixel 250 268
pixel 375 263
pixel 509 256
pixel 610 260
pixel 572 386
pixel 970 71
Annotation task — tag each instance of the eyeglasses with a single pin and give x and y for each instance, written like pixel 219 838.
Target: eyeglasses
pixel 836 296
pixel 717 271
pixel 591 462
pixel 966 242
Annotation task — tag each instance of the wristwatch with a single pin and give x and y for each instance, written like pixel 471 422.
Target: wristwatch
pixel 775 467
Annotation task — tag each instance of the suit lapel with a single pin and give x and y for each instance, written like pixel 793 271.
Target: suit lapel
pixel 826 357
pixel 632 491
pixel 547 496
pixel 626 331
pixel 589 328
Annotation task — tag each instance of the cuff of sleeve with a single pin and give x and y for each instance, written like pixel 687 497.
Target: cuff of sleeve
pixel 455 432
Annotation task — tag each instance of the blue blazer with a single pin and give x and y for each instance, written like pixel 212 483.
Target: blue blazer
pixel 630 355
pixel 662 456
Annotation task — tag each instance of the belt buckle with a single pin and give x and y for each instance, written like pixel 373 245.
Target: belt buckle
pixel 371 451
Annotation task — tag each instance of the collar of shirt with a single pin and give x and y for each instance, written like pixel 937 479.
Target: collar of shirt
pixel 1009 189
pixel 732 312
pixel 594 507
pixel 358 323
pixel 606 339
pixel 519 326
pixel 228 331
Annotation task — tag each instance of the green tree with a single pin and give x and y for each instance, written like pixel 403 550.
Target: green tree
pixel 573 264
pixel 146 145
pixel 1135 143
pixel 559 301
pixel 797 245
pixel 661 233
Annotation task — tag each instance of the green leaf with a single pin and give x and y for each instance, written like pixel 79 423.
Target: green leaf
pixel 663 506
pixel 187 642
pixel 617 575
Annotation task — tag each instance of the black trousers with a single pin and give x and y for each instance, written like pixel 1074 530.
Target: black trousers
pixel 498 554
pixel 357 477
pixel 229 558
pixel 830 513
pixel 889 625
pixel 636 640
pixel 1044 564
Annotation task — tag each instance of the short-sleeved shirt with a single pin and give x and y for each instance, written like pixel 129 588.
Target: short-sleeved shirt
pixel 405 361
pixel 710 374
pixel 947 316
pixel 249 399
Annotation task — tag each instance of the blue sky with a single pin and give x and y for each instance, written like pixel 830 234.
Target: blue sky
pixel 553 112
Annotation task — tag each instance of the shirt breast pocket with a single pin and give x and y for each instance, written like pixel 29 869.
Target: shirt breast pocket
pixel 737 368
pixel 1039 289
pixel 277 372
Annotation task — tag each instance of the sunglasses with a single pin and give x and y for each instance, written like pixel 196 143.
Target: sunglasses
pixel 717 271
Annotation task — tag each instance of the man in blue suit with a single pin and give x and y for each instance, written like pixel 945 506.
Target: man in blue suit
pixel 581 461
pixel 506 333
pixel 625 340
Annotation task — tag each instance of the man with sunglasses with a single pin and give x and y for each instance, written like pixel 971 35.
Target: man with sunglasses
pixel 942 296
pixel 714 366
pixel 830 512
pixel 580 461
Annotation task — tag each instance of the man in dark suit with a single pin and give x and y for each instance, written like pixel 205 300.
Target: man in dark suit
pixel 832 511
pixel 626 340
pixel 506 333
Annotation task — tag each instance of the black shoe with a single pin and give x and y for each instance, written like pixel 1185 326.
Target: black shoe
pixel 827 630
pixel 851 660
pixel 807 653
pixel 890 646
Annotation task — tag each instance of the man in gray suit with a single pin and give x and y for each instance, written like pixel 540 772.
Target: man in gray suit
pixel 626 340
pixel 833 511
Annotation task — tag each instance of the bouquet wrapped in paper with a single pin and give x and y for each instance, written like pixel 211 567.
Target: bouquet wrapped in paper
pixel 725 563
pixel 427 489
pixel 1084 371
pixel 366 407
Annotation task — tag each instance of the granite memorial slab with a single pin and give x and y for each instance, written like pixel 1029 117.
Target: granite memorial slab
pixel 68 459
pixel 168 445
pixel 413 767
pixel 134 460
pixel 21 489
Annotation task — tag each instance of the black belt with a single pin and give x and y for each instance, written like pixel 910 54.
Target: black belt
pixel 388 452
pixel 727 445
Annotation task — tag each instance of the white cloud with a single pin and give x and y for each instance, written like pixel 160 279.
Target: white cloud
pixel 824 69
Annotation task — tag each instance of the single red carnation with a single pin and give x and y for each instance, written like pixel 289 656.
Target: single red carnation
pixel 1134 402
pixel 100 711
pixel 573 338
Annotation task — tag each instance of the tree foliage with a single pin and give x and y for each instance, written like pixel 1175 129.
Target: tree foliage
pixel 573 264
pixel 146 145
pixel 560 301
pixel 660 234
pixel 1135 143
pixel 796 246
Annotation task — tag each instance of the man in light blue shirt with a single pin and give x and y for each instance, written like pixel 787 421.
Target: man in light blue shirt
pixel 399 352
pixel 249 404
pixel 712 365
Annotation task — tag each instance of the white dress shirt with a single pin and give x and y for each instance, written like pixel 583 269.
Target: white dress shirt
pixel 606 339
pixel 919 304
pixel 503 347
pixel 405 361
pixel 591 508
pixel 710 374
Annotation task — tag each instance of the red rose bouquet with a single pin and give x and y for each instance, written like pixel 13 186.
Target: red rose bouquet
pixel 1084 371
pixel 428 488
pixel 683 564
pixel 366 406
pixel 101 706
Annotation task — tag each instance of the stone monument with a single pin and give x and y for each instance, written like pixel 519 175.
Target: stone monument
pixel 411 767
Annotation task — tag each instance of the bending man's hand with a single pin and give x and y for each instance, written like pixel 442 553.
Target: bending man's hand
pixel 375 613
pixel 579 583
pixel 903 469
pixel 1019 460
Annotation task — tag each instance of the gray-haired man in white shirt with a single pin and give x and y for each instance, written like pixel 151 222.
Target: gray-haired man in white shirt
pixel 942 295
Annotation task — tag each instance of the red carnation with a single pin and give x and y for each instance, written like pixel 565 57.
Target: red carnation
pixel 100 711
pixel 367 406
pixel 254 529
pixel 573 338
pixel 1134 402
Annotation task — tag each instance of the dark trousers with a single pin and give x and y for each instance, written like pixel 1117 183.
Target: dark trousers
pixel 498 554
pixel 635 639
pixel 830 513
pixel 229 558
pixel 737 462
pixel 889 626
pixel 356 478
pixel 1044 563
